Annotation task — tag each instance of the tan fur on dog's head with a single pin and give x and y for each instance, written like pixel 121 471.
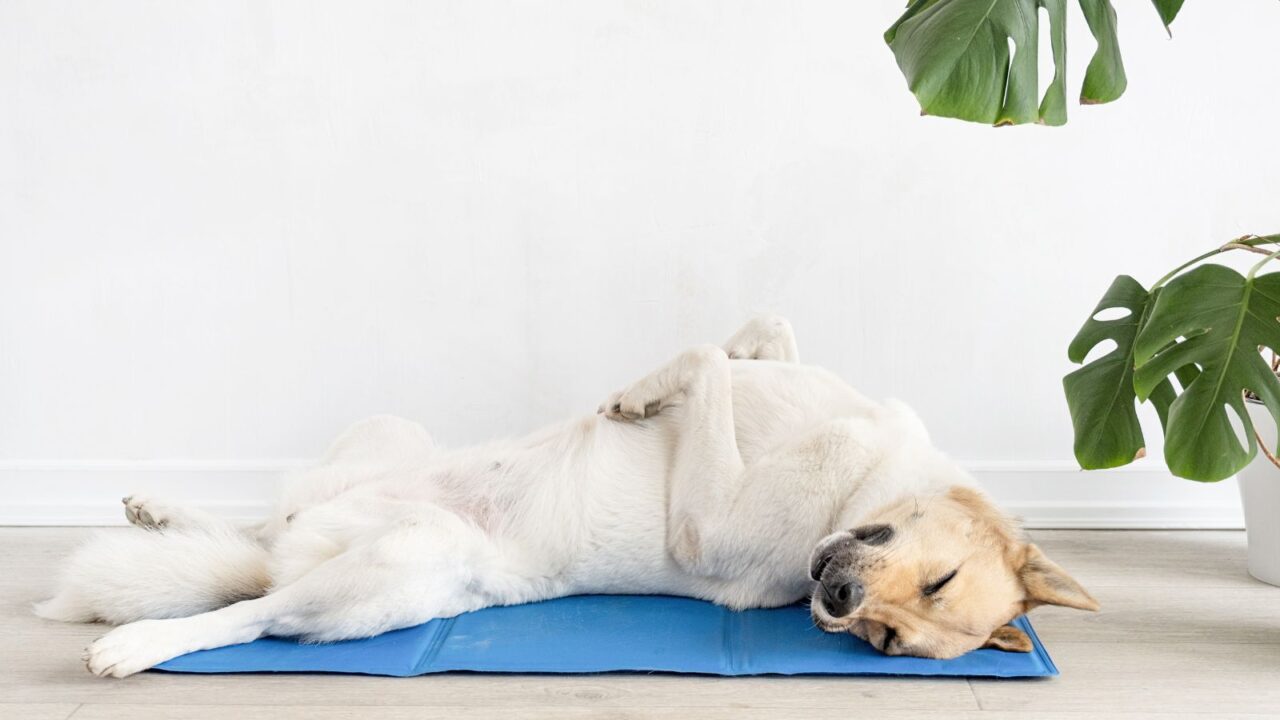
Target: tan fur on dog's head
pixel 936 578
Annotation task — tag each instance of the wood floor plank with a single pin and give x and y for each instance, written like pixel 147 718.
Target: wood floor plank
pixel 36 711
pixel 314 712
pixel 611 692
pixel 1199 677
pixel 1160 558
pixel 1156 617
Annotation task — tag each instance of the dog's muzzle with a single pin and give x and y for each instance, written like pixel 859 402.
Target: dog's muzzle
pixel 834 566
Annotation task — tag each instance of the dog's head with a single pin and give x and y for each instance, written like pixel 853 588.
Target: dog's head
pixel 936 578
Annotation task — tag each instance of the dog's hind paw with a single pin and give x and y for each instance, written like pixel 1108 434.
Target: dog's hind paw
pixel 767 337
pixel 148 514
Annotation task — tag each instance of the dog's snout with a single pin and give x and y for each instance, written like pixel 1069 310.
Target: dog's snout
pixel 846 542
pixel 821 560
pixel 826 551
pixel 835 567
pixel 841 596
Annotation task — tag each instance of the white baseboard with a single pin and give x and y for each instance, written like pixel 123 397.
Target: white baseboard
pixel 88 492
pixel 1144 495
pixel 1043 494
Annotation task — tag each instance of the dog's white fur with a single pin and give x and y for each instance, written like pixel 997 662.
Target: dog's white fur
pixel 711 478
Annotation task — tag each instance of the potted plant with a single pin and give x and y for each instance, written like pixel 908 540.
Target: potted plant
pixel 1193 345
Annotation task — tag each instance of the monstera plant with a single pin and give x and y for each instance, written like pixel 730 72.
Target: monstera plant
pixel 977 59
pixel 1191 344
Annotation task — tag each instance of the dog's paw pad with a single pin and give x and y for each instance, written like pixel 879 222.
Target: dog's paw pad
pixel 141 511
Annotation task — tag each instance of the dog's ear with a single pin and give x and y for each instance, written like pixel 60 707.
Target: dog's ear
pixel 1009 639
pixel 1047 584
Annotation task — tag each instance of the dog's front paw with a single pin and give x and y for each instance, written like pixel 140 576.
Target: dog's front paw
pixel 132 648
pixel 628 405
pixel 665 387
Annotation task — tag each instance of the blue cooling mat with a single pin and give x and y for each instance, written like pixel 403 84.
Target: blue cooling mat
pixel 603 633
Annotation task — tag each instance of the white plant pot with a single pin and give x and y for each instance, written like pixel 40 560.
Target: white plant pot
pixel 1260 494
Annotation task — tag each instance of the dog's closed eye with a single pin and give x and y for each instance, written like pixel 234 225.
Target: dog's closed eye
pixel 934 587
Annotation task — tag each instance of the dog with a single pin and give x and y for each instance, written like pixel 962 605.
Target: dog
pixel 732 474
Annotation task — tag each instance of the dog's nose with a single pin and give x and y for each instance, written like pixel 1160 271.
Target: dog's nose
pixel 841 597
pixel 873 534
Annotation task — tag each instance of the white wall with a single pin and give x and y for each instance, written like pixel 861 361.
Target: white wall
pixel 229 229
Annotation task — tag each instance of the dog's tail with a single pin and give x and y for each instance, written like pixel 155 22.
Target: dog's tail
pixel 119 577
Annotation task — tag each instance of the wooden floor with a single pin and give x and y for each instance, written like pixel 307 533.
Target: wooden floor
pixel 1184 631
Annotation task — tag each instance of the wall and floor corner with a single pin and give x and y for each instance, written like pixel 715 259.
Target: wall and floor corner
pixel 228 231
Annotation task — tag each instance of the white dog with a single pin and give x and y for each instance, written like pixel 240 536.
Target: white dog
pixel 735 475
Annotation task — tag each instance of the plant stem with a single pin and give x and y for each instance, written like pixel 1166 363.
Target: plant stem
pixel 1237 246
pixel 1270 256
pixel 1262 444
pixel 1247 242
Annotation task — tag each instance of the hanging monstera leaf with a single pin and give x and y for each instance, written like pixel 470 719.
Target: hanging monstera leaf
pixel 1212 319
pixel 956 57
pixel 1104 79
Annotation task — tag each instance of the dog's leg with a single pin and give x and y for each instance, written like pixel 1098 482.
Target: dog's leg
pixel 782 505
pixel 707 466
pixel 767 337
pixel 722 516
pixel 427 565
pixel 144 511
pixel 361 454
pixel 381 439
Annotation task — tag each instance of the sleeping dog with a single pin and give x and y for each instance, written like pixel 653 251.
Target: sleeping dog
pixel 733 474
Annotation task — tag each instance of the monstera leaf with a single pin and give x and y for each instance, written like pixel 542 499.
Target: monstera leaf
pixel 955 55
pixel 1104 79
pixel 1100 394
pixel 1211 320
